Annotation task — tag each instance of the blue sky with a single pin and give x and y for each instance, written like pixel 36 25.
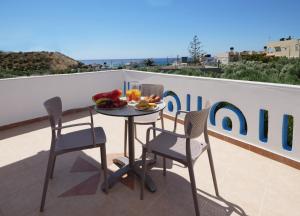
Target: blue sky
pixel 95 29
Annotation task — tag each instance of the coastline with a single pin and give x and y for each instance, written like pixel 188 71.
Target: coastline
pixel 122 62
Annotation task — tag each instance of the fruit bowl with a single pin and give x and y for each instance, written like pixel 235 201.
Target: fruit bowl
pixel 109 100
pixel 112 104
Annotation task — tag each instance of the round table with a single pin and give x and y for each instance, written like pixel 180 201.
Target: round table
pixel 129 165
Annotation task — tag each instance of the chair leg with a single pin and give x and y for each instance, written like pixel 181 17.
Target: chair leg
pixel 154 131
pixel 135 132
pixel 212 169
pixel 47 176
pixel 52 168
pixel 154 135
pixel 104 166
pixel 194 189
pixel 102 157
pixel 164 166
pixel 144 168
pixel 125 138
pixel 162 121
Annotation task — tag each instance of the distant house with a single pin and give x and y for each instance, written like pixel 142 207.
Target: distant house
pixel 209 60
pixel 287 47
pixel 233 56
pixel 226 57
pixel 184 59
pixel 223 58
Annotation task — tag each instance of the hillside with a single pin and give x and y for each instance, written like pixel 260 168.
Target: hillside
pixel 27 63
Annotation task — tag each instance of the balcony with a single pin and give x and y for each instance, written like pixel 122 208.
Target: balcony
pixel 257 168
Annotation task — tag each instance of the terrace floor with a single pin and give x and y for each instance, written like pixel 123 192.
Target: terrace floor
pixel 248 183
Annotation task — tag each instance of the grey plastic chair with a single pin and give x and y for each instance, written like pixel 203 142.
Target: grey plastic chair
pixel 146 90
pixel 182 147
pixel 73 141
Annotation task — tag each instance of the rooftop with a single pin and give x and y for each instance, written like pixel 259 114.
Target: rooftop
pixel 256 156
pixel 249 184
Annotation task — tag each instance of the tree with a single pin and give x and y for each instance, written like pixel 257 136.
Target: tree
pixel 195 50
pixel 149 62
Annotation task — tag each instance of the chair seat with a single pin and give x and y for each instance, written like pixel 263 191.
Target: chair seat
pixel 171 146
pixel 81 139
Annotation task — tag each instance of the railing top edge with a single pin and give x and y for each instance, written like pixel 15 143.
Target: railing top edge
pixel 222 80
pixel 55 75
pixel 162 74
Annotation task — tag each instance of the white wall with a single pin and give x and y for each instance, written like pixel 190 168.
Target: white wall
pixel 249 97
pixel 22 98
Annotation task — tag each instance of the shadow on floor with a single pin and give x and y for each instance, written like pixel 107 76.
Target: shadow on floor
pixel 221 203
pixel 75 190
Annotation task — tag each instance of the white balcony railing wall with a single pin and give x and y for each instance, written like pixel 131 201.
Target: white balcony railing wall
pixel 23 98
pixel 250 103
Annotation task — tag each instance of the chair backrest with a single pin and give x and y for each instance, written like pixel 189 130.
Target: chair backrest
pixel 149 89
pixel 195 123
pixel 54 109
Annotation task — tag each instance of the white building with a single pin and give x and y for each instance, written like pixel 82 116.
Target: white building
pixel 223 58
pixel 284 47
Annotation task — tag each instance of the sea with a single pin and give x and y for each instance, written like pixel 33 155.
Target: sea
pixel 122 62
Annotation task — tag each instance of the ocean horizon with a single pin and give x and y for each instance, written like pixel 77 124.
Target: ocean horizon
pixel 122 62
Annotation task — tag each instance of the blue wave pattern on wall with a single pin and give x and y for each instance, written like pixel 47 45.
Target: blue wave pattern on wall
pixel 226 121
pixel 170 104
pixel 234 109
pixel 285 126
pixel 263 137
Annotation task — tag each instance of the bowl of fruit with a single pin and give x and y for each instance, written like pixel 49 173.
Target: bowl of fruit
pixel 109 100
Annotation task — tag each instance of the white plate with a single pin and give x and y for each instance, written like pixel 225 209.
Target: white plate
pixel 146 109
pixel 132 103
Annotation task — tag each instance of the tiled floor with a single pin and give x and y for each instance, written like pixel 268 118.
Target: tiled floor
pixel 248 183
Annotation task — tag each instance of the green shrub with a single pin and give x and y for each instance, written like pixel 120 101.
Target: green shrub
pixel 281 70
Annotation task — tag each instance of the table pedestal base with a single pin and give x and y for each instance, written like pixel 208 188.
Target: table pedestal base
pixel 125 168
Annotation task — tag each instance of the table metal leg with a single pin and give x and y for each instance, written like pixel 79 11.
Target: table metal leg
pixel 129 165
pixel 131 140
